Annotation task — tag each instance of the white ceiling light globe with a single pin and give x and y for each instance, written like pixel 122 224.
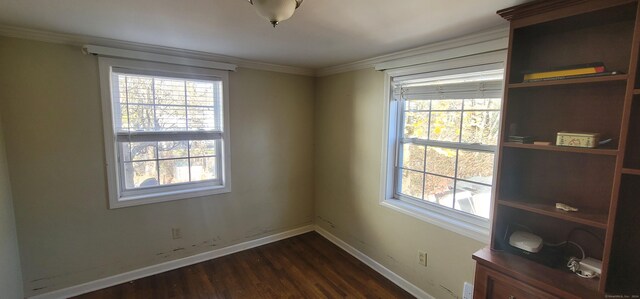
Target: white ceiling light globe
pixel 276 11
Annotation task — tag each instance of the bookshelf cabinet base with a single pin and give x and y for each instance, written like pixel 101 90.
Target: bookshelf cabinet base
pixel 501 274
pixel 492 284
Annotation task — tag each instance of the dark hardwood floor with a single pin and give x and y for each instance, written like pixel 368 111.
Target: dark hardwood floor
pixel 305 266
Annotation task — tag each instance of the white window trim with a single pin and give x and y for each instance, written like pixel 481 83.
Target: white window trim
pixel 464 224
pixel 169 193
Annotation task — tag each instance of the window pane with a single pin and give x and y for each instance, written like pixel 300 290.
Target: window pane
pixel 121 117
pixel 140 174
pixel 122 89
pixel 169 92
pixel 217 92
pixel 446 105
pixel 416 125
pixel 201 118
pixel 141 118
pixel 135 151
pixel 411 183
pixel 203 169
pixel 417 104
pixel 174 171
pixel 438 190
pixel 476 166
pixel 200 93
pixel 170 118
pixel 441 160
pixel 445 126
pixel 413 157
pixel 481 127
pixel 139 90
pixel 124 151
pixel 482 104
pixel 156 105
pixel 172 149
pixel 473 198
pixel 202 148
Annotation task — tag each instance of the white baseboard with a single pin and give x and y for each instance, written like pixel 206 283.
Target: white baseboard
pixel 395 278
pixel 167 266
pixel 205 256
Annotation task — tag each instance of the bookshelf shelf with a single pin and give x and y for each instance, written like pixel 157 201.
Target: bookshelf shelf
pixel 601 79
pixel 631 171
pixel 592 151
pixel 597 220
pixel 636 91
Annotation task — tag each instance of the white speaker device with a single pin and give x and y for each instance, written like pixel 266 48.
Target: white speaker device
pixel 525 241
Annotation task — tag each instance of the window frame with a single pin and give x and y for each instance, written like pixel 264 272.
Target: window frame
pixel 118 195
pixel 468 225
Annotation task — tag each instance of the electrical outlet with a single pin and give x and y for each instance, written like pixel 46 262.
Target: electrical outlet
pixel 467 292
pixel 422 258
pixel 176 233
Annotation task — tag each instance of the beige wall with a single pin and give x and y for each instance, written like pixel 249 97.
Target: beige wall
pixel 10 272
pixel 52 119
pixel 51 114
pixel 348 136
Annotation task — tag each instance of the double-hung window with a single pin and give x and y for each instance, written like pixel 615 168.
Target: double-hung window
pixel 166 131
pixel 444 128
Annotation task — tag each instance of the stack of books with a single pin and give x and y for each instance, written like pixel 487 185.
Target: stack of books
pixel 567 72
pixel 520 139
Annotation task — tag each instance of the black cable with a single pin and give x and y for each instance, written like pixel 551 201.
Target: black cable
pixel 586 231
pixel 570 234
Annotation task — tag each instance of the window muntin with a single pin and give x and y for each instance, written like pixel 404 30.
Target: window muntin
pixel 448 131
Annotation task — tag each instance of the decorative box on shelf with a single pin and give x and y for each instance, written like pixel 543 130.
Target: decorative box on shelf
pixel 578 139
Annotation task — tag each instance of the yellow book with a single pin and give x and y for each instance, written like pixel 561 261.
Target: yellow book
pixel 564 73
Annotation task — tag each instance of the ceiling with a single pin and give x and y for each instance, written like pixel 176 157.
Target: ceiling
pixel 320 34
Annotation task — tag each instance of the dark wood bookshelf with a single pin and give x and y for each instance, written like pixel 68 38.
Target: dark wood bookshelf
pixel 594 219
pixel 568 81
pixel 566 149
pixel 603 183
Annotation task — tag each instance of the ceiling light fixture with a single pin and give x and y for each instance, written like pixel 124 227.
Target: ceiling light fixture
pixel 276 11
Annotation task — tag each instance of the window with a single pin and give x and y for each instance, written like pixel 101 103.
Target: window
pixel 443 135
pixel 166 131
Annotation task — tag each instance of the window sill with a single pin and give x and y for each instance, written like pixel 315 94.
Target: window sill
pixel 136 200
pixel 434 216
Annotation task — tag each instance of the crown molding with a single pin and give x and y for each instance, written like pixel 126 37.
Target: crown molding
pixel 80 40
pixel 493 34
